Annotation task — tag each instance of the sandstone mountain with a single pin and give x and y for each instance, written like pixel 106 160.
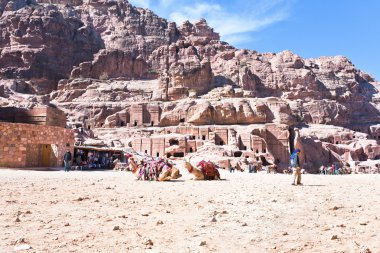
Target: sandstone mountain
pixel 126 73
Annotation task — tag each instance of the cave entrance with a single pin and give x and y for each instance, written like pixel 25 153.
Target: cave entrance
pixel 291 139
pixel 264 161
pixel 179 154
pixel 238 154
pixel 173 142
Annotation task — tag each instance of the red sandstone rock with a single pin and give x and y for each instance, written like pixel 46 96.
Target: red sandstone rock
pixel 109 64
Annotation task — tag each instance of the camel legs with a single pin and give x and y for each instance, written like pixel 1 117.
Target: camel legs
pixel 164 176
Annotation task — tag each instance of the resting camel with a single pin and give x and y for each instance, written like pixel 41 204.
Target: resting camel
pixel 204 171
pixel 154 170
pixel 272 169
pixel 117 165
pixel 132 164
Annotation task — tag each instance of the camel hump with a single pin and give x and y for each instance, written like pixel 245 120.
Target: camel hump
pixel 209 170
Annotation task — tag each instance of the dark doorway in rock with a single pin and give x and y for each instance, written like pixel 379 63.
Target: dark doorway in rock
pixel 89 127
pixel 291 139
pixel 191 150
pixel 238 154
pixel 204 137
pixel 152 123
pixel 182 120
pixel 173 142
pixel 122 123
pixel 221 143
pixel 158 154
pixel 146 152
pixel 264 161
pixel 135 123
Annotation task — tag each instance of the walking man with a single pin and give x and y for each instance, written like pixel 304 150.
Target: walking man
pixel 67 160
pixel 296 167
pixel 250 169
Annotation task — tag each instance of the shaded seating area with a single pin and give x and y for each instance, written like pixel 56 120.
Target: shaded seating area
pixel 95 158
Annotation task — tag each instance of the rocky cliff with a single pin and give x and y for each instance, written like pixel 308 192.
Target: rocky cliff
pixel 100 59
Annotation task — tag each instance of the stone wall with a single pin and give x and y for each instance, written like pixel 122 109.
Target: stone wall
pixel 277 138
pixel 143 114
pixel 221 136
pixel 25 145
pixel 47 116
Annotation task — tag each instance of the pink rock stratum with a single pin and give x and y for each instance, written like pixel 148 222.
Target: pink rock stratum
pixel 118 70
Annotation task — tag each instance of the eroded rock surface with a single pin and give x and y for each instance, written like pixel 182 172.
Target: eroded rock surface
pixel 113 66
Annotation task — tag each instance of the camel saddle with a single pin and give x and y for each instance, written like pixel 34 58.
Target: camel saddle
pixel 209 170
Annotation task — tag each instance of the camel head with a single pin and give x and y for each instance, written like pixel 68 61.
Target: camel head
pixel 188 166
pixel 175 173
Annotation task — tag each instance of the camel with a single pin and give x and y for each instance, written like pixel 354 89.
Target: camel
pixel 118 165
pixel 204 171
pixel 272 169
pixel 154 170
pixel 132 164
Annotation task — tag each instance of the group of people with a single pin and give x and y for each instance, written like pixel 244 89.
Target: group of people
pixel 252 168
pixel 333 170
pixel 93 161
pixel 232 168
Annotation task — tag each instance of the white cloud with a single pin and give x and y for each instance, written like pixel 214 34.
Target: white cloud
pixel 238 39
pixel 140 3
pixel 233 20
pixel 194 13
pixel 166 3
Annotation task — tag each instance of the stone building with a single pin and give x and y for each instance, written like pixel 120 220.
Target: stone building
pixel 47 116
pixel 144 115
pixel 33 138
pixel 269 143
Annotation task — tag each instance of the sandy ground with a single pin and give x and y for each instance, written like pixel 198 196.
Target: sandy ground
pixel 111 212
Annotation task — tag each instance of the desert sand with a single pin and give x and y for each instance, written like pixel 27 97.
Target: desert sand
pixel 110 211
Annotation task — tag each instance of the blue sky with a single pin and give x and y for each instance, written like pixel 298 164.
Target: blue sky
pixel 308 28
